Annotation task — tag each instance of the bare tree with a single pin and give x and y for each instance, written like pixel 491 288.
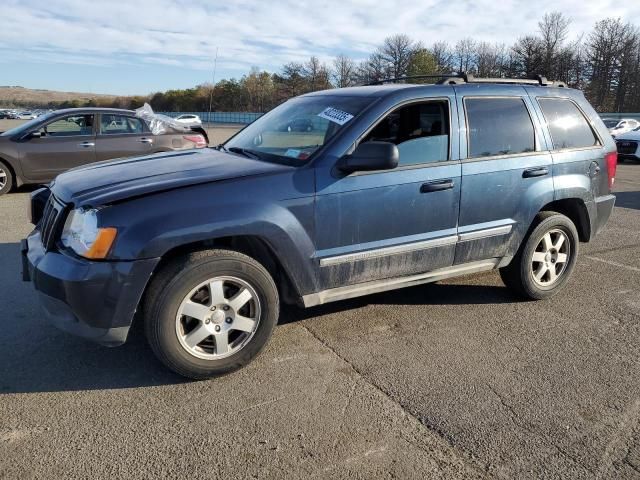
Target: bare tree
pixel 443 56
pixel 464 55
pixel 396 51
pixel 344 71
pixel 553 30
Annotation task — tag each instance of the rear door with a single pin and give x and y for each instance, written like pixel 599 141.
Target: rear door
pixel 64 143
pixel 506 171
pixel 122 136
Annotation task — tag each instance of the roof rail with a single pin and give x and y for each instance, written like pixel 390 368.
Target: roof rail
pixel 463 77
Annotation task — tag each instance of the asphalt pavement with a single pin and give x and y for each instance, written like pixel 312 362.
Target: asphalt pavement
pixel 451 380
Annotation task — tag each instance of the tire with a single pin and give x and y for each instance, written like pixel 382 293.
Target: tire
pixel 183 285
pixel 6 178
pixel 521 274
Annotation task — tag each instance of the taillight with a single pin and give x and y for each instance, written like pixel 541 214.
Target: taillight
pixel 197 139
pixel 611 160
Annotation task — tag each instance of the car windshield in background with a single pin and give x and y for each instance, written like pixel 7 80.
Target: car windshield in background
pixel 610 123
pixel 292 132
pixel 27 125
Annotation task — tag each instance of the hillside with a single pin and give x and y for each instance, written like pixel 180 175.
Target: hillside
pixel 14 96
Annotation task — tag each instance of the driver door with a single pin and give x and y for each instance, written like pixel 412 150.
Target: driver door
pixel 63 143
pixel 400 222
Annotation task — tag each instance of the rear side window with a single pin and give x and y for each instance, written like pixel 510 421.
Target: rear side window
pixel 420 130
pixel 568 126
pixel 498 126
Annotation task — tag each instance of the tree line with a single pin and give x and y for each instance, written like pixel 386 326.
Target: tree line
pixel 604 63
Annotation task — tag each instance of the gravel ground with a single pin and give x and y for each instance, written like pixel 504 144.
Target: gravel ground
pixel 450 380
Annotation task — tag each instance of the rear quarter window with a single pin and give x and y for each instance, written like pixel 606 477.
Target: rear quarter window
pixel 498 126
pixel 567 124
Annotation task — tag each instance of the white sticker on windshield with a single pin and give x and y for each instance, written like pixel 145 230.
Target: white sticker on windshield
pixel 292 153
pixel 335 115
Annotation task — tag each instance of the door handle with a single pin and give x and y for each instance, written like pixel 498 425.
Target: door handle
pixel 86 144
pixel 436 186
pixel 146 140
pixel 535 172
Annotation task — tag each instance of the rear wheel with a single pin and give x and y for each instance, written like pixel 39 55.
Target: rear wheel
pixel 6 179
pixel 545 260
pixel 210 313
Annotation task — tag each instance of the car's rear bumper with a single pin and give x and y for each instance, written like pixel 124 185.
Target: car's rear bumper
pixel 602 208
pixel 94 300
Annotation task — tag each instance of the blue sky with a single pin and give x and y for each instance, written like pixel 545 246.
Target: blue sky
pixel 150 45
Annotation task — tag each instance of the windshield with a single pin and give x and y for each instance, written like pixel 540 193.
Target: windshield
pixel 610 123
pixel 27 125
pixel 292 132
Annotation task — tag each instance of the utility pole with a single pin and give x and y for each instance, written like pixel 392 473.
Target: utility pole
pixel 213 84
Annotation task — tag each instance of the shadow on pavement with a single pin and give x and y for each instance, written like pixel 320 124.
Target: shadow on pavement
pixel 36 357
pixel 628 200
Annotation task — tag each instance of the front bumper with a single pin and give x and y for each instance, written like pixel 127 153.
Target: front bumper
pixel 94 300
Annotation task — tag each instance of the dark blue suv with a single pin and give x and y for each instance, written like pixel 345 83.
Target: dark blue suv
pixel 390 186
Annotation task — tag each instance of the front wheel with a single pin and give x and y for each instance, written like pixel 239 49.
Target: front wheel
pixel 546 259
pixel 210 313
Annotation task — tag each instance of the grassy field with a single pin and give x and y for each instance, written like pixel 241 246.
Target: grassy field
pixel 217 134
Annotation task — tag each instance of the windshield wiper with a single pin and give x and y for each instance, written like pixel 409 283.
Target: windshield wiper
pixel 243 151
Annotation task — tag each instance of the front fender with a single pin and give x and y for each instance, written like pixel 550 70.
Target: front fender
pixel 151 226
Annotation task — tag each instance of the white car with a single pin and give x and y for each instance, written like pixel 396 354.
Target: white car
pixel 618 127
pixel 189 119
pixel 629 145
pixel 27 116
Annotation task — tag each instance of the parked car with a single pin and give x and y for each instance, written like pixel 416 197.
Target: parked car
pixel 628 145
pixel 623 126
pixel 189 119
pixel 401 185
pixel 37 151
pixel 297 125
pixel 27 116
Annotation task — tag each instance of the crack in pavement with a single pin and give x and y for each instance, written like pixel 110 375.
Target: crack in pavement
pixel 515 420
pixel 481 470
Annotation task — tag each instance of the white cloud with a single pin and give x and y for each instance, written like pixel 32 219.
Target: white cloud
pixel 266 34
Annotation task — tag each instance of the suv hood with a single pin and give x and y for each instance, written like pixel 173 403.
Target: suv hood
pixel 114 180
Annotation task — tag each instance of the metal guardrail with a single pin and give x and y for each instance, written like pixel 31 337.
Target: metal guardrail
pixel 618 116
pixel 239 118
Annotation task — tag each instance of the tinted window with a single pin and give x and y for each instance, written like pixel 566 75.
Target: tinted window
pixel 568 127
pixel 119 124
pixel 72 125
pixel 498 126
pixel 421 132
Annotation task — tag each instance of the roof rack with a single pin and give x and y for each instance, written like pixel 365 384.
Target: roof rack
pixel 462 77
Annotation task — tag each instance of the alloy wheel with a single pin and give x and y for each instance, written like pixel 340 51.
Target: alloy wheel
pixel 550 258
pixel 218 318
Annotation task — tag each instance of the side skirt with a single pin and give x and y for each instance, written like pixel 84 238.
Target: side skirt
pixel 367 288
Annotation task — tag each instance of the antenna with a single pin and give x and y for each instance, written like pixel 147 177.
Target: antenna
pixel 213 84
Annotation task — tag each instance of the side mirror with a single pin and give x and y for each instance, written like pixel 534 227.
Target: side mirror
pixel 31 135
pixel 370 156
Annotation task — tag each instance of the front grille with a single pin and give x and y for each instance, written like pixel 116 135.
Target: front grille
pixel 626 147
pixel 50 223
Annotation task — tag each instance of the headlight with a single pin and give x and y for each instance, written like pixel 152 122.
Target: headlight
pixel 82 235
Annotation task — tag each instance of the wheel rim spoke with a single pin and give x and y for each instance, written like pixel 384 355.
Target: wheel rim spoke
pixel 552 274
pixel 243 324
pixel 197 335
pixel 195 310
pixel 559 242
pixel 240 299
pixel 540 272
pixel 217 292
pixel 546 241
pixel 539 256
pixel 222 343
pixel 562 258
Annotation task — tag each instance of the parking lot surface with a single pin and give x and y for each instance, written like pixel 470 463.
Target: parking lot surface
pixel 450 380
